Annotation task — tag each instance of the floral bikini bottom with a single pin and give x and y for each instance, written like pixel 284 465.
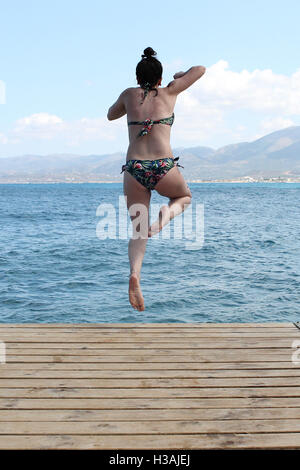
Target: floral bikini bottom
pixel 150 172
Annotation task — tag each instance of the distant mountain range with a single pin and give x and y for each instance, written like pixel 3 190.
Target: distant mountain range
pixel 276 154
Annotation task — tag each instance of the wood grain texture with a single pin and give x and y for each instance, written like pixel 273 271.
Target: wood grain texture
pixel 149 386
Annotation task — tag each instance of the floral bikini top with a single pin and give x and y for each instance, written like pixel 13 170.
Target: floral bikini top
pixel 148 123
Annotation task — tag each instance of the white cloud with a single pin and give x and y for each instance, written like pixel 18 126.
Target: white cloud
pixel 260 90
pixel 206 110
pixel 223 107
pixel 38 126
pixel 44 126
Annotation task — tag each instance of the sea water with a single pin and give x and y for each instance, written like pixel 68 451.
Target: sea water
pixel 55 268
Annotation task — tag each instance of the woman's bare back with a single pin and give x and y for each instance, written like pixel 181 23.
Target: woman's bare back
pixel 155 106
pixel 156 144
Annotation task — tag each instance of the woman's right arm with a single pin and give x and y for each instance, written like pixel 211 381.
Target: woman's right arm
pixel 183 80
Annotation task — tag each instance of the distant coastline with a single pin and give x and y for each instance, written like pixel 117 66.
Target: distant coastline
pixel 246 179
pixel 273 158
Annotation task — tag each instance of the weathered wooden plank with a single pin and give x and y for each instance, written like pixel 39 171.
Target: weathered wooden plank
pixel 149 366
pixel 151 427
pixel 178 441
pixel 12 336
pixel 93 340
pixel 171 392
pixel 163 382
pixel 6 372
pixel 230 343
pixel 175 414
pixel 222 357
pixel 148 403
pixel 148 325
pixel 155 332
pixel 151 351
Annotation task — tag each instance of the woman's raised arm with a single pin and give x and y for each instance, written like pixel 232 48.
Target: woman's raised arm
pixel 183 80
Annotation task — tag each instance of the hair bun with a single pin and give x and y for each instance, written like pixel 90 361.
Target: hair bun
pixel 148 53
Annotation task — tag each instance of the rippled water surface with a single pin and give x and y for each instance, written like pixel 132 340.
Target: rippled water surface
pixel 54 268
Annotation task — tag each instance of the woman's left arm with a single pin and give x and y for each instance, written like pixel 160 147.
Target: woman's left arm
pixel 118 109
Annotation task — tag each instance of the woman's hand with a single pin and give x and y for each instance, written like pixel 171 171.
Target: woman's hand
pixel 178 75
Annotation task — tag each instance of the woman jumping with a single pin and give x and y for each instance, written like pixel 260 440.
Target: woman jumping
pixel 149 160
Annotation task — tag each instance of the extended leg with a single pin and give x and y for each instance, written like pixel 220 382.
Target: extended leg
pixel 138 200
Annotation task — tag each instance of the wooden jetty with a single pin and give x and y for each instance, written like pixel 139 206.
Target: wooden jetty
pixel 150 386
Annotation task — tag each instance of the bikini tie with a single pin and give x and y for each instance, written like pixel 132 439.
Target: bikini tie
pixel 147 88
pixel 148 123
pixel 175 159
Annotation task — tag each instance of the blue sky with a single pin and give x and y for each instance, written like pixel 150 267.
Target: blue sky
pixel 65 62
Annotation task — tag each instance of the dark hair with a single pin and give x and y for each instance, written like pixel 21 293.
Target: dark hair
pixel 149 69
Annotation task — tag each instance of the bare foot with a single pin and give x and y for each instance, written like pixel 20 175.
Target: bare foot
pixel 163 219
pixel 135 294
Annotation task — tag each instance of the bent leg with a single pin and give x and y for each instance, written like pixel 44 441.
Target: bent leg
pixel 138 201
pixel 173 186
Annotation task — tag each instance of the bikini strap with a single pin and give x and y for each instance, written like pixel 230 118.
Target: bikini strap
pixel 168 120
pixel 147 87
